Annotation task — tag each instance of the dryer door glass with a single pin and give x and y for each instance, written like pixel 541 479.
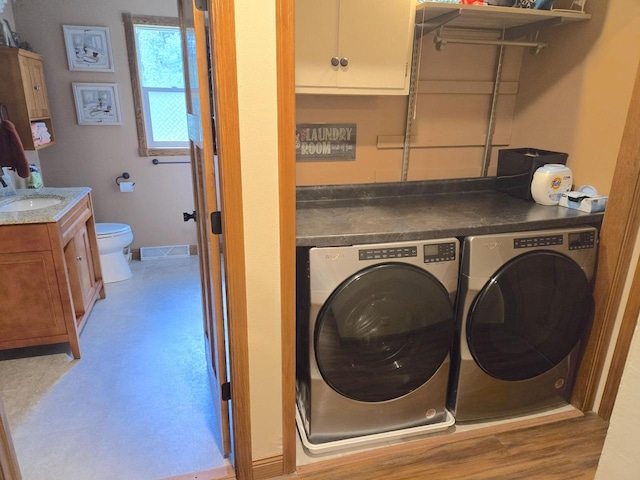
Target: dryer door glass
pixel 529 316
pixel 383 332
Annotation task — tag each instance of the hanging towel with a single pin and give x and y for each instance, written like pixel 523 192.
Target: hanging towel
pixel 11 149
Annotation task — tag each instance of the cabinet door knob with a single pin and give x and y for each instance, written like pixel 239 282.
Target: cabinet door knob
pixel 79 258
pixel 344 61
pixel 335 61
pixel 37 88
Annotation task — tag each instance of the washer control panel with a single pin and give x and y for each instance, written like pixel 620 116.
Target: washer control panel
pixel 439 252
pixel 386 253
pixel 582 240
pixel 434 252
pixel 577 241
pixel 540 241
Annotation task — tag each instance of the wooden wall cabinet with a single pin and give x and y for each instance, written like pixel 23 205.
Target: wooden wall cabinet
pixel 24 92
pixel 354 46
pixel 50 277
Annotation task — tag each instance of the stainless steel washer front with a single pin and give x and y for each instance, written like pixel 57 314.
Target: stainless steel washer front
pixel 374 336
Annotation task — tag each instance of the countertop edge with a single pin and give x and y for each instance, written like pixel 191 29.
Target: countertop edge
pixel 70 197
pixel 430 234
pixel 359 216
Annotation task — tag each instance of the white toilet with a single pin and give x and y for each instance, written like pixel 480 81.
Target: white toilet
pixel 113 238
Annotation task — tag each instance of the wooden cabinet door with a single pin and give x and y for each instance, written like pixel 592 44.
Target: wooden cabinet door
pixel 372 38
pixel 376 37
pixel 82 278
pixel 27 85
pixel 316 42
pixel 35 89
pixel 39 303
pixel 38 85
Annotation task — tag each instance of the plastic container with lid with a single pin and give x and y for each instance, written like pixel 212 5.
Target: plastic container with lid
pixel 550 182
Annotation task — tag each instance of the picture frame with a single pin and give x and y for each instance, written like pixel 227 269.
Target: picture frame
pixel 97 103
pixel 88 48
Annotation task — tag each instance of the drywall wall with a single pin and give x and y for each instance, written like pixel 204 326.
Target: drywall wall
pixel 257 109
pixel 619 457
pixel 93 156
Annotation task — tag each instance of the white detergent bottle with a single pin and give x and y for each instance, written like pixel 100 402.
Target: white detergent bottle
pixel 549 182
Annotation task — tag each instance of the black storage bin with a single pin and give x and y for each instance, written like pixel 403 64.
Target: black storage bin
pixel 516 167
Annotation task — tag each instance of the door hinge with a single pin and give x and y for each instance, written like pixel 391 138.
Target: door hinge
pixel 226 391
pixel 216 223
pixel 201 5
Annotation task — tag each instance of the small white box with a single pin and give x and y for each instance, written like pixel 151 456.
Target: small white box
pixel 584 202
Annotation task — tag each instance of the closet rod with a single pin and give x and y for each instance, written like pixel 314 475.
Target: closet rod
pixel 441 42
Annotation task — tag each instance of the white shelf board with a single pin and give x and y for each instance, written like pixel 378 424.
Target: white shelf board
pixel 486 17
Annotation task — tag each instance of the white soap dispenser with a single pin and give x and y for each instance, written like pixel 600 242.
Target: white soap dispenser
pixel 7 183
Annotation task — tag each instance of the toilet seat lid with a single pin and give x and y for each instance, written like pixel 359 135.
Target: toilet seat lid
pixel 112 229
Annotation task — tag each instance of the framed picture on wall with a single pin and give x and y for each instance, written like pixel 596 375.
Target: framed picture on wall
pixel 88 48
pixel 97 103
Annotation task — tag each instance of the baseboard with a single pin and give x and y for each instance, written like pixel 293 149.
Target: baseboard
pixel 269 467
pixel 220 473
pixel 262 469
pixel 135 252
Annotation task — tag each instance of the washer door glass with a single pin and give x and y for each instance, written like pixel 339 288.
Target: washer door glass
pixel 529 316
pixel 383 332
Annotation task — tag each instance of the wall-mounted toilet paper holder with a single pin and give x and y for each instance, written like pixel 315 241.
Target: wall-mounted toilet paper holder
pixel 125 175
pixel 125 186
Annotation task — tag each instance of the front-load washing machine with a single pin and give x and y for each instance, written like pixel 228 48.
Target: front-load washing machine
pixel 375 325
pixel 524 307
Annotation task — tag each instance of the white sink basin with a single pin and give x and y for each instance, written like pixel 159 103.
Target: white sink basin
pixel 29 203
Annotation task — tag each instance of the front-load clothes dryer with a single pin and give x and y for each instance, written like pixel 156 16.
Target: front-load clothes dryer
pixel 374 331
pixel 524 307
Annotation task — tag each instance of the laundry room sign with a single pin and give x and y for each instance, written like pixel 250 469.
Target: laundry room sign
pixel 325 141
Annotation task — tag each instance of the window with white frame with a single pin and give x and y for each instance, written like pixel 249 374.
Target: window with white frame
pixel 157 79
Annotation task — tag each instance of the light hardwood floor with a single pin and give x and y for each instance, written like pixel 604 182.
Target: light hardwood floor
pixel 563 450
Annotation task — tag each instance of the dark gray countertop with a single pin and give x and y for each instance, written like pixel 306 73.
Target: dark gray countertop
pixel 360 214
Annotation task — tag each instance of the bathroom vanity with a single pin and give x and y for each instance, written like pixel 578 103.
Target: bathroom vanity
pixel 50 275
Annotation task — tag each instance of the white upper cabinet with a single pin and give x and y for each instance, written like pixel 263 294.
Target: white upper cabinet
pixel 354 46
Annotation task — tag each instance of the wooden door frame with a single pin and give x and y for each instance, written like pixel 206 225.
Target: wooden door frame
pixel 617 240
pixel 9 468
pixel 225 88
pixel 287 192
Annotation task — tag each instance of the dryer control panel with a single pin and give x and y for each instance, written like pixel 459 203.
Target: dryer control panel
pixel 580 240
pixel 439 252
